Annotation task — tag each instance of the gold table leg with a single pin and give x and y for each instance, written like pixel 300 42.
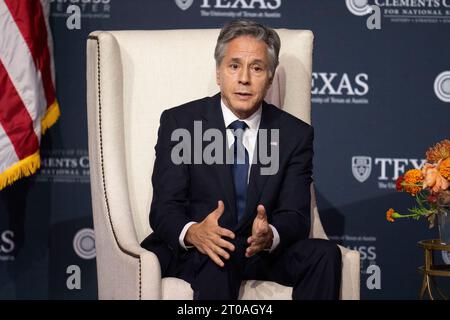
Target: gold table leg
pixel 443 296
pixel 426 278
pixel 424 286
pixel 428 282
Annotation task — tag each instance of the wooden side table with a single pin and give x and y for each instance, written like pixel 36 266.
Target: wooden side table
pixel 430 270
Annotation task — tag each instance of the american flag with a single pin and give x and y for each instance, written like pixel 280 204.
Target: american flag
pixel 28 103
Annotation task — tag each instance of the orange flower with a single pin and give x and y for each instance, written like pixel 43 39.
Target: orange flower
pixel 389 214
pixel 439 151
pixel 413 181
pixel 444 168
pixel 433 179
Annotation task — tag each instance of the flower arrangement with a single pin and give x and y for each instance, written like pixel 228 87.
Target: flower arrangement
pixel 429 185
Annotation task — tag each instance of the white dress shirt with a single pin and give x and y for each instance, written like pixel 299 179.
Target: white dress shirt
pixel 249 141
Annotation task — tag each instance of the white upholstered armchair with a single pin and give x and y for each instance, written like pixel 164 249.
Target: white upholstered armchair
pixel 132 76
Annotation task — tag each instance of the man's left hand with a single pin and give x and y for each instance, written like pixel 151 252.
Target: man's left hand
pixel 262 235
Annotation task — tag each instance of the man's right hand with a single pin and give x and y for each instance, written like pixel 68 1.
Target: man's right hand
pixel 207 235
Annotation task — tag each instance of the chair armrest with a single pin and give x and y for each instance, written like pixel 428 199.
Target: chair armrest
pixel 151 281
pixel 350 282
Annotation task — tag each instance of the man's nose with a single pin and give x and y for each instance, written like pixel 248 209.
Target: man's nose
pixel 244 76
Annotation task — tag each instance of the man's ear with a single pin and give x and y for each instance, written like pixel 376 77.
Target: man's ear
pixel 217 77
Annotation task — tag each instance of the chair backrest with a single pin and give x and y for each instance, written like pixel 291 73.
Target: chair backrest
pixel 162 69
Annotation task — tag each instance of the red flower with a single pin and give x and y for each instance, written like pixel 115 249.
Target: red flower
pixel 432 198
pixel 398 183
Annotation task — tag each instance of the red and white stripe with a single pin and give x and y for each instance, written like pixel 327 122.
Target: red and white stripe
pixel 26 77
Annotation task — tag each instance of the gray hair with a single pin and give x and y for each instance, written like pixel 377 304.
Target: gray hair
pixel 239 28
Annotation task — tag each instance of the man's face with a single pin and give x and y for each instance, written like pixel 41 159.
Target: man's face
pixel 243 75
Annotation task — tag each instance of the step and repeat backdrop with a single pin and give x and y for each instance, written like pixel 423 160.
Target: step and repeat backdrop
pixel 380 99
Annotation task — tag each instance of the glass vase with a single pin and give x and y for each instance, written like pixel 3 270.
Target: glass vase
pixel 444 224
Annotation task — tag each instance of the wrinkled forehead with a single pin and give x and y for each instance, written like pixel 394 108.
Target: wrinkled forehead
pixel 246 47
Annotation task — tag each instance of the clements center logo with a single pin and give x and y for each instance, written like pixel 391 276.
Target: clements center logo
pixel 234 8
pixel 442 86
pixel 84 243
pixel 387 169
pixel 358 7
pixel 404 11
pixel 64 165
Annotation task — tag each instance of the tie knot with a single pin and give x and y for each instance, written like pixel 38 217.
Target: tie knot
pixel 235 125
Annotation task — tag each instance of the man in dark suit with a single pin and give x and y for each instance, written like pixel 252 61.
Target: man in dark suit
pixel 217 222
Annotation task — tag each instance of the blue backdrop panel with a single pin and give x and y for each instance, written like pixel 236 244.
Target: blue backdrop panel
pixel 373 101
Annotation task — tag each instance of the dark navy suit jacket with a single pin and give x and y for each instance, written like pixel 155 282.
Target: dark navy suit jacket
pixel 189 192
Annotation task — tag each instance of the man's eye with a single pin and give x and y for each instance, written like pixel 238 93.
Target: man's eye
pixel 257 69
pixel 234 66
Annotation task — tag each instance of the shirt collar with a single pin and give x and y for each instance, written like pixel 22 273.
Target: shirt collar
pixel 252 121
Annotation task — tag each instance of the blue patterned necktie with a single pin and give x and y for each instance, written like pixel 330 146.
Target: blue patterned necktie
pixel 240 167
